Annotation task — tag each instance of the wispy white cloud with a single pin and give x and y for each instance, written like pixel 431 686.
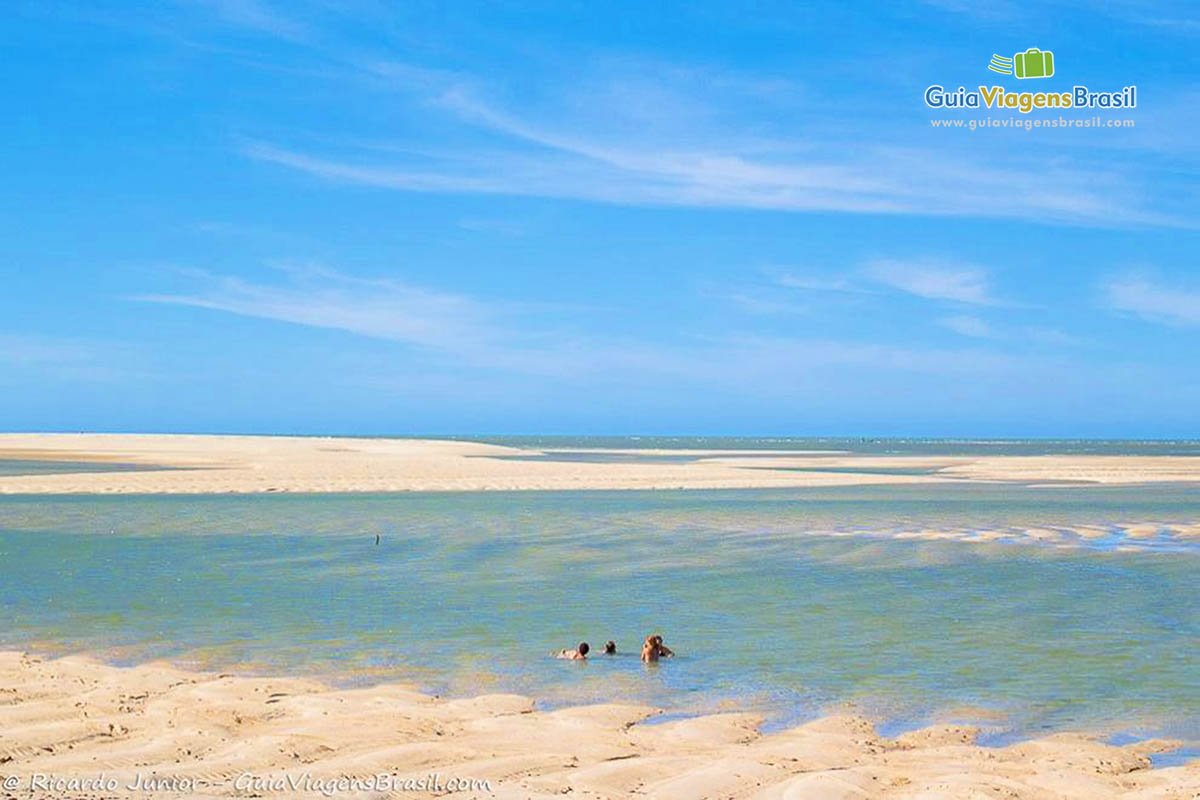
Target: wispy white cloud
pixel 943 283
pixel 1153 301
pixel 962 283
pixel 1053 337
pixel 624 129
pixel 814 282
pixel 936 280
pixel 612 148
pixel 457 331
pixel 258 15
pixel 765 303
pixel 379 308
pixel 873 181
pixel 967 326
pixel 1026 337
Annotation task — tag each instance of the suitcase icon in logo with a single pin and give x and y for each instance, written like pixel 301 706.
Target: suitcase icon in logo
pixel 1033 63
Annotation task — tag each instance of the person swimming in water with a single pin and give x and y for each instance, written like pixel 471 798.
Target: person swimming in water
pixel 649 651
pixel 578 654
pixel 653 649
pixel 610 648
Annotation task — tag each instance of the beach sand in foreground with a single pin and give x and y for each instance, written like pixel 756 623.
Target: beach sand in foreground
pixel 254 464
pixel 189 734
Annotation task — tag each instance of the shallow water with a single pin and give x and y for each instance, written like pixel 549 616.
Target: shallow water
pixel 792 602
pixel 22 466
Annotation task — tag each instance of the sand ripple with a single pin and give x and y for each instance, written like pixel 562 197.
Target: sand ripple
pixel 200 734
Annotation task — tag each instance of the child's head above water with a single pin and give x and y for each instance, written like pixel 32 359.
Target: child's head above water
pixel 610 647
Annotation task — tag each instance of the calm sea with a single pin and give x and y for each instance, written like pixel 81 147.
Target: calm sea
pixel 790 602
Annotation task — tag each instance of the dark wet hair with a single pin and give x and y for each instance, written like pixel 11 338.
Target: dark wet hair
pixel 610 646
pixel 583 648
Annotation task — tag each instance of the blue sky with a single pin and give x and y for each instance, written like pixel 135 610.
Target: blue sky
pixel 370 217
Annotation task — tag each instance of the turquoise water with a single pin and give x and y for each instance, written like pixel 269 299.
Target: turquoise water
pixel 790 602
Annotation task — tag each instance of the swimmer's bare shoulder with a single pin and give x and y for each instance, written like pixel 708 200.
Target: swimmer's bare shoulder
pixel 578 654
